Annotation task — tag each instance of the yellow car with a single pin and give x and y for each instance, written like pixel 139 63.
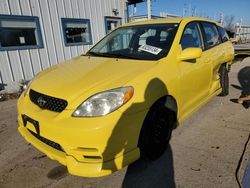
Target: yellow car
pixel 101 111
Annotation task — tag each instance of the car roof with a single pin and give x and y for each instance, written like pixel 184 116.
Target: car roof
pixel 170 20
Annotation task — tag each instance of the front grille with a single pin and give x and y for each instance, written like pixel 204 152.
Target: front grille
pixel 47 141
pixel 47 102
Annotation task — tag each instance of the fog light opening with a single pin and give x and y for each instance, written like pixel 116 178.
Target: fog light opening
pixel 92 157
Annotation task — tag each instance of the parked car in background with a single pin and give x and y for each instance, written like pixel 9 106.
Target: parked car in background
pixel 101 111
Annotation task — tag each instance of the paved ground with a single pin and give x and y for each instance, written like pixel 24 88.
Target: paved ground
pixel 242 46
pixel 242 51
pixel 208 150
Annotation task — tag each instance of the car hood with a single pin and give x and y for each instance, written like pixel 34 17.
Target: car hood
pixel 71 79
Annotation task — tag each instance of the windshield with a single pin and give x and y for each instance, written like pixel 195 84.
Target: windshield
pixel 147 42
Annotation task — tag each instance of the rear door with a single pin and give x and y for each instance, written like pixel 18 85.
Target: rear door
pixel 226 45
pixel 213 53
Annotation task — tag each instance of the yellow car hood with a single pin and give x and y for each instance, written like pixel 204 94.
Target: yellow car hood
pixel 71 79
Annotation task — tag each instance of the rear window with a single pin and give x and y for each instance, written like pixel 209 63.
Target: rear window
pixel 212 37
pixel 223 34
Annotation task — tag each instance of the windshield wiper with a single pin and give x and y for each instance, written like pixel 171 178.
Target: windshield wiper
pixel 93 54
pixel 119 55
pixel 114 55
pixel 100 54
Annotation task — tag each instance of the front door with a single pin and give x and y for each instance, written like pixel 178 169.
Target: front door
pixel 195 74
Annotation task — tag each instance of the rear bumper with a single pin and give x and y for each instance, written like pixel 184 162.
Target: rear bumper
pixel 85 169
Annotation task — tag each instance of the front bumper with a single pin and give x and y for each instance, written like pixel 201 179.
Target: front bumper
pixel 85 169
pixel 91 147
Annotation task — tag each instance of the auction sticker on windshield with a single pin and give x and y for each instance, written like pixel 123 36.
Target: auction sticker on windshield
pixel 150 49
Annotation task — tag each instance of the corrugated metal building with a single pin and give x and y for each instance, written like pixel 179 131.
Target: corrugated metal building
pixel 145 17
pixel 36 34
pixel 242 33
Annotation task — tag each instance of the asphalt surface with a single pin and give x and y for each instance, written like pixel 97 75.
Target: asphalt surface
pixel 211 149
pixel 242 46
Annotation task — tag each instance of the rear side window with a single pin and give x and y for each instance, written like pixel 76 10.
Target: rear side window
pixel 212 37
pixel 223 34
pixel 191 37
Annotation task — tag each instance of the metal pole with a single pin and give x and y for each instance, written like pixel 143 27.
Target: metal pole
pixel 127 12
pixel 149 9
pixel 221 18
pixel 241 20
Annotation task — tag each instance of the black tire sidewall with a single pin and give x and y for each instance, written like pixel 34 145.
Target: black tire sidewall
pixel 224 80
pixel 147 144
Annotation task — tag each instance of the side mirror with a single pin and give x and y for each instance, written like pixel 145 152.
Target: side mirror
pixel 190 54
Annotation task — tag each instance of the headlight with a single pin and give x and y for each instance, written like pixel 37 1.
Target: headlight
pixel 104 103
pixel 26 86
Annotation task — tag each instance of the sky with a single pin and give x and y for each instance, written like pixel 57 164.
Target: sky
pixel 206 8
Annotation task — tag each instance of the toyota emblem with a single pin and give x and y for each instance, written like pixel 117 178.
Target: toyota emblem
pixel 41 102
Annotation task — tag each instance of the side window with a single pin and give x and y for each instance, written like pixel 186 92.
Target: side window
pixel 144 36
pixel 223 34
pixel 164 36
pixel 119 42
pixel 191 37
pixel 211 33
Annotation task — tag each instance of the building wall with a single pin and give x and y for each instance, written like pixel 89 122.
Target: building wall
pixel 243 33
pixel 24 64
pixel 145 17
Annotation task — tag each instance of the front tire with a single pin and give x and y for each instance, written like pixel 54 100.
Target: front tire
pixel 224 80
pixel 156 131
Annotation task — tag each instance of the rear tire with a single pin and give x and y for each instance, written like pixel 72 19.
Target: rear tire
pixel 156 131
pixel 224 80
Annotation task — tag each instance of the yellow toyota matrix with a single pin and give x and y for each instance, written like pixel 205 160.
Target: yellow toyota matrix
pixel 104 109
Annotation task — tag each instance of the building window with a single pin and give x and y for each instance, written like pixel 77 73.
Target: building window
pixel 111 23
pixel 20 32
pixel 76 31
